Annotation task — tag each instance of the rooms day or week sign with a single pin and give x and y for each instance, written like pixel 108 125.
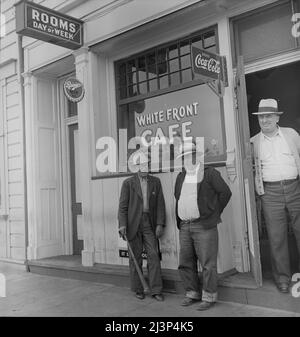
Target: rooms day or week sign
pixel 48 25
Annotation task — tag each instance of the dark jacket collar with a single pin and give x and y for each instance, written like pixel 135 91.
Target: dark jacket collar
pixel 182 177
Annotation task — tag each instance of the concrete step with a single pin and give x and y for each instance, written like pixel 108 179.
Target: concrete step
pixel 239 287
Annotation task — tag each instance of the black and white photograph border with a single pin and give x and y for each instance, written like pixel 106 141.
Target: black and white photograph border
pixel 149 161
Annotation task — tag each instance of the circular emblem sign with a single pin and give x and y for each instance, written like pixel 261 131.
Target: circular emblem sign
pixel 73 89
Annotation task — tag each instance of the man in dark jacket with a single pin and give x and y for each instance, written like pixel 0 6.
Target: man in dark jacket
pixel 201 195
pixel 142 220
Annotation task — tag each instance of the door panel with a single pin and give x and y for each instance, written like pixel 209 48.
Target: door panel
pixel 246 153
pixel 49 204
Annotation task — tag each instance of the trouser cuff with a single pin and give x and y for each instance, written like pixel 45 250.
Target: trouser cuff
pixel 193 295
pixel 209 297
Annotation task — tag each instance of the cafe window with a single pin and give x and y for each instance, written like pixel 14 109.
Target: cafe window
pixel 159 95
pixel 161 68
pixel 266 32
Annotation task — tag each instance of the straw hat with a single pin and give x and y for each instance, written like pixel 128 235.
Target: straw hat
pixel 268 106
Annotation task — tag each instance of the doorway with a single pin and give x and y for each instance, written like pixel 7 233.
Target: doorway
pixel 71 177
pixel 281 83
pixel 75 191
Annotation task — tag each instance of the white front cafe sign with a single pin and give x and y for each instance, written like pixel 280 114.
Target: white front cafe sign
pixel 51 26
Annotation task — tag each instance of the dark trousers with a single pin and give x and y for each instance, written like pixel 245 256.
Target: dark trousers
pixel 202 244
pixel 278 202
pixel 145 237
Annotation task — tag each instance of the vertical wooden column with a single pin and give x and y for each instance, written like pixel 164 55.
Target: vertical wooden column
pixel 31 164
pixel 238 234
pixel 85 111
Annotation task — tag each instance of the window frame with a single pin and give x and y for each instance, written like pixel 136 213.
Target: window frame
pixel 159 92
pixel 235 43
pixel 217 160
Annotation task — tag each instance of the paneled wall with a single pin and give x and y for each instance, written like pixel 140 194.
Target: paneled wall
pixel 106 194
pixel 12 226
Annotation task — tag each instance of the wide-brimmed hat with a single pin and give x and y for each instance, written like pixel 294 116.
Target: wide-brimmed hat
pixel 188 148
pixel 268 106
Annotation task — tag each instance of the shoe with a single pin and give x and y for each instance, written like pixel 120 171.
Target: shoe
pixel 283 287
pixel 188 301
pixel 159 297
pixel 139 295
pixel 205 305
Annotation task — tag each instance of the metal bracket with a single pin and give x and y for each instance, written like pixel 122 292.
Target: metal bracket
pixel 218 88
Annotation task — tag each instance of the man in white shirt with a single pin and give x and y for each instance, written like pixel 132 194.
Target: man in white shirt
pixel 201 195
pixel 277 170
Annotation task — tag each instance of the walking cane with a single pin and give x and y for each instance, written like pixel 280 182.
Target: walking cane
pixel 137 268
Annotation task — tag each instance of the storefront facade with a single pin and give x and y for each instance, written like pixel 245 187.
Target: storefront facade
pixel 134 52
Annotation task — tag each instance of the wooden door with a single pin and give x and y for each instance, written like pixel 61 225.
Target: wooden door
pixel 48 171
pixel 247 166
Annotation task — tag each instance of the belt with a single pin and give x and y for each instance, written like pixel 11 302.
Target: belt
pixel 281 182
pixel 184 222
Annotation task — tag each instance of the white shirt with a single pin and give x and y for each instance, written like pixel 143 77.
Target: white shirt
pixel 277 160
pixel 188 203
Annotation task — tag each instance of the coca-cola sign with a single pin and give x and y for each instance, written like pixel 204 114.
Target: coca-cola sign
pixel 206 64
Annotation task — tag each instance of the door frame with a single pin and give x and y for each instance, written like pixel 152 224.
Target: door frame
pixel 65 160
pixel 267 63
pixel 271 62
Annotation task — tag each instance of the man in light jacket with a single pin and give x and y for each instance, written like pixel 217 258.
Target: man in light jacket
pixel 277 170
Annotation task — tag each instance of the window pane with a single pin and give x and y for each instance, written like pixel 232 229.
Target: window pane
pixel 185 47
pixel 153 85
pixel 265 33
pixel 174 65
pixel 164 82
pixel 162 68
pixel 197 42
pixel 143 88
pixel 122 80
pixel 132 90
pixel 122 69
pixel 209 40
pixel 173 51
pixel 131 66
pixel 151 75
pixel 175 79
pixel 123 92
pixel 142 75
pixel 151 59
pixel 185 61
pixel 72 109
pixel 186 75
pixel 162 55
pixel 132 78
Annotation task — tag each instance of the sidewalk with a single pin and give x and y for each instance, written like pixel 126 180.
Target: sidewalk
pixel 29 294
